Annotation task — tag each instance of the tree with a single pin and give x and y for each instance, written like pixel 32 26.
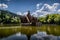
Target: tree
pixel 15 20
pixel 57 19
pixel 51 19
pixel 7 17
pixel 42 19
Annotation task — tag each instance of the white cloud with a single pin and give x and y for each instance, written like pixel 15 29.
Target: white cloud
pixel 25 13
pixel 38 5
pixel 59 10
pixel 3 6
pixel 47 9
pixel 34 14
pixel 44 10
pixel 19 13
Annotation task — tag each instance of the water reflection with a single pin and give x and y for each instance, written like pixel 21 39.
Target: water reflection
pixel 39 36
pixel 17 36
pixel 44 36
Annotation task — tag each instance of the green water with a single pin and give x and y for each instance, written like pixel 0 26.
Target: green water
pixel 29 30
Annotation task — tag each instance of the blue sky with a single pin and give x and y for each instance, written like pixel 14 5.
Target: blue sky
pixel 25 5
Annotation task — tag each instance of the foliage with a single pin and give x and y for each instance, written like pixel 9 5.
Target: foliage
pixel 57 19
pixel 42 19
pixel 51 19
pixel 7 17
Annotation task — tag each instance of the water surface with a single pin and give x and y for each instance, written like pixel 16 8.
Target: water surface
pixel 8 30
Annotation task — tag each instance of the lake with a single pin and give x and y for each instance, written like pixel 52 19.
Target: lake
pixel 50 29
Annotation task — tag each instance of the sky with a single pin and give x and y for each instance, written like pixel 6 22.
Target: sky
pixel 36 7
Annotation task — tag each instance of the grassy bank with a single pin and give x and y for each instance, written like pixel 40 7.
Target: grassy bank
pixel 29 30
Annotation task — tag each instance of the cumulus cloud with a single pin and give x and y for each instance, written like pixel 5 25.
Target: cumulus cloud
pixel 38 5
pixel 47 9
pixel 44 10
pixel 19 13
pixel 34 14
pixel 3 6
pixel 23 14
pixel 59 10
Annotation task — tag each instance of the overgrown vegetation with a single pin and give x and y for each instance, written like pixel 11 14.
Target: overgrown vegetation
pixel 7 17
pixel 50 19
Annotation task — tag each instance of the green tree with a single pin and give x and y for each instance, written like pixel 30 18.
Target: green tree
pixel 15 20
pixel 51 19
pixel 42 19
pixel 57 19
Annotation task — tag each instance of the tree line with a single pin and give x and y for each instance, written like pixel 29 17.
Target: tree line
pixel 7 17
pixel 50 19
